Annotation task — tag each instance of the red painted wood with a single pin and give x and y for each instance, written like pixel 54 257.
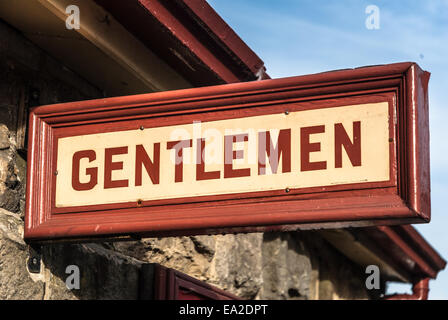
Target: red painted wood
pixel 191 37
pixel 161 13
pixel 404 198
pixel 206 15
pixel 171 284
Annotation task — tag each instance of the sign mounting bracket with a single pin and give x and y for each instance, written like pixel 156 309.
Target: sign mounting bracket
pixel 34 258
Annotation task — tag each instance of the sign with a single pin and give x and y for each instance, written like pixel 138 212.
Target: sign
pixel 308 148
pixel 339 148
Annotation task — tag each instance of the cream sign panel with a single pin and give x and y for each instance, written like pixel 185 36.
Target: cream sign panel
pixel 313 148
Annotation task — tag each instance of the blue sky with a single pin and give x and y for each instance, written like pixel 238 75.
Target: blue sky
pixel 296 37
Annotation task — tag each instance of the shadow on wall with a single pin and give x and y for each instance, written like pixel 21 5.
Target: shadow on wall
pixel 104 274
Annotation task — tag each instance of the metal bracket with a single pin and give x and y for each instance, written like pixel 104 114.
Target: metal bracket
pixel 34 258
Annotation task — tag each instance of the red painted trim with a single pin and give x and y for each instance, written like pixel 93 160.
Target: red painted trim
pixel 161 284
pixel 171 284
pixel 402 247
pixel 352 204
pixel 410 252
pixel 421 246
pixel 178 29
pixel 325 85
pixel 218 27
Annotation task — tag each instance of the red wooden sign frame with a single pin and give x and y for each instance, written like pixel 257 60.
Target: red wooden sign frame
pixel 405 198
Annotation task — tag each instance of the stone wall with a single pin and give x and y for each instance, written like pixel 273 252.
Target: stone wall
pixel 291 265
pixel 31 77
pixel 294 265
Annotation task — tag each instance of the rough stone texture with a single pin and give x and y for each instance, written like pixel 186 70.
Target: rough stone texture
pixel 104 274
pixel 4 137
pixel 20 172
pixel 26 68
pixel 180 253
pixel 15 280
pixel 12 181
pixel 237 265
pixel 253 266
pixel 287 267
